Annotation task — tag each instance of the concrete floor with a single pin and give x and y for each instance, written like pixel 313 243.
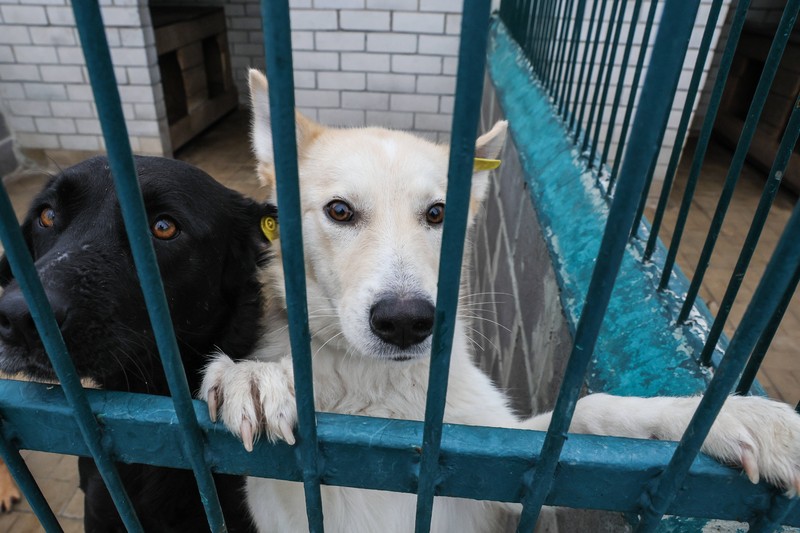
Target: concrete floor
pixel 224 153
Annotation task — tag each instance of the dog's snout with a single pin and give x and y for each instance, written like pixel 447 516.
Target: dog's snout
pixel 402 321
pixel 16 323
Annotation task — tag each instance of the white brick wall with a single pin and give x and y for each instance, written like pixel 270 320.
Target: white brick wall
pixel 44 85
pixel 380 62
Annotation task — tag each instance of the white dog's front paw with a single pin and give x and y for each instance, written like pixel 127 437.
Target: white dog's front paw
pixel 761 436
pixel 251 397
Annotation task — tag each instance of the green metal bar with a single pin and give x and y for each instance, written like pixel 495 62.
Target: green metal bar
pixel 559 72
pixel 466 116
pixel 671 42
pixel 595 47
pixel 596 472
pixel 683 127
pixel 25 273
pixel 790 136
pixel 552 43
pixel 637 74
pixel 536 37
pixel 574 124
pixel 120 158
pixel 764 341
pixel 572 63
pixel 772 519
pixel 737 23
pixel 19 470
pixel 278 48
pixel 771 64
pixel 626 54
pixel 780 271
pixel 604 64
pixel 609 70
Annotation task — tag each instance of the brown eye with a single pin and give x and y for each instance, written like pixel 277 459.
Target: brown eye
pixel 435 214
pixel 339 211
pixel 164 228
pixel 47 217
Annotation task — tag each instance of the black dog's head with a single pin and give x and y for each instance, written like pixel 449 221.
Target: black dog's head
pixel 209 247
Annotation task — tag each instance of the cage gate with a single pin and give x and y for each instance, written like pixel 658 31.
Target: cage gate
pixel 561 64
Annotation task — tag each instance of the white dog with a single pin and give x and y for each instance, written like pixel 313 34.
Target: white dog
pixel 372 206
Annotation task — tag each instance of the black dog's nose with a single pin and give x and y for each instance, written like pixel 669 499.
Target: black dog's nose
pixel 402 321
pixel 16 324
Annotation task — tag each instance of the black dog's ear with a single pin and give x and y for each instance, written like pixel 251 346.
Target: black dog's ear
pixel 5 267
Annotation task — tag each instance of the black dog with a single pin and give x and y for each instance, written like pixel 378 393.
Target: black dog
pixel 209 249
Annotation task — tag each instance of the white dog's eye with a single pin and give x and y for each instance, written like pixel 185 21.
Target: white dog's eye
pixel 339 211
pixel 435 214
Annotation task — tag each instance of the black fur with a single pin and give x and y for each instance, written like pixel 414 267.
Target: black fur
pixel 85 263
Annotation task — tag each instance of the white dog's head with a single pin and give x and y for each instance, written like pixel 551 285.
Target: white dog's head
pixel 373 206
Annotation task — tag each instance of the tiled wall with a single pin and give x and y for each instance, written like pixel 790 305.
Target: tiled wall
pixel 44 84
pixel 378 62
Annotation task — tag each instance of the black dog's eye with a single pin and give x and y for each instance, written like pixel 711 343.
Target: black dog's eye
pixel 435 214
pixel 339 211
pixel 47 217
pixel 164 228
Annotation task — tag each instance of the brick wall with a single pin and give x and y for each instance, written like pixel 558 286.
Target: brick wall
pixel 379 62
pixel 44 84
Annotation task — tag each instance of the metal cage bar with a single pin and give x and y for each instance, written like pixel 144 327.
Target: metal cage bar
pixel 120 158
pixel 667 60
pixel 466 116
pixel 592 60
pixel 278 48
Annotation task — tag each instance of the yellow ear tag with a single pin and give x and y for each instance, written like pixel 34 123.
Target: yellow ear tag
pixel 269 227
pixel 486 164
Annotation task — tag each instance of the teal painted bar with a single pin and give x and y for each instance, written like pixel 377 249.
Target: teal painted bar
pixel 586 83
pixel 120 159
pixel 626 54
pixel 572 64
pixel 278 49
pixel 662 76
pixel 774 56
pixel 559 73
pixel 784 153
pixel 574 122
pixel 637 74
pixel 33 495
pixel 683 126
pixel 16 251
pixel 466 117
pixel 483 463
pixel 735 31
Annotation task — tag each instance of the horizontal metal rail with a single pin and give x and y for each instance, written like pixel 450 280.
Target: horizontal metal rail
pixel 481 463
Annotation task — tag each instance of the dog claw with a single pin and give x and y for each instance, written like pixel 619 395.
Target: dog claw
pixel 286 431
pixel 247 435
pixel 749 463
pixel 212 404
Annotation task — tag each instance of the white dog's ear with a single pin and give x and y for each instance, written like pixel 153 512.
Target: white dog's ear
pixel 488 146
pixel 261 130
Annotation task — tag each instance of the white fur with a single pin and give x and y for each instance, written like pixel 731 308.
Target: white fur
pixel 390 178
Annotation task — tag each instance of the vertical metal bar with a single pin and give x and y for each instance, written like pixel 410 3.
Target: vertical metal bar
pixel 25 273
pixel 572 62
pixel 19 470
pixel 604 96
pixel 745 139
pixel 552 42
pixel 771 289
pixel 559 72
pixel 673 38
pixel 101 74
pixel 637 7
pixel 774 178
pixel 595 46
pixel 626 121
pixel 466 114
pixel 278 49
pixel 683 127
pixel 573 118
pixel 760 351
pixel 705 136
pixel 599 83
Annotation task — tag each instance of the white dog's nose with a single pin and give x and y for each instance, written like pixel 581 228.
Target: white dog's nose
pixel 402 321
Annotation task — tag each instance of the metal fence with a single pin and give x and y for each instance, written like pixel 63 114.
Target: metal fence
pixel 407 456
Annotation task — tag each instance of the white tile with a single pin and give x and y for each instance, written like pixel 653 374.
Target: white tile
pixel 365 62
pixel 453 24
pixel 121 16
pixel 301 40
pixel 38 140
pixel 341 117
pixel 390 119
pixel 53 35
pixel 60 16
pixel 313 20
pixel 310 98
pixel 62 74
pixel 397 83
pixel 414 102
pixel 55 125
pixel 426 121
pixel 353 81
pixel 364 20
pixel 436 85
pixel 35 54
pixel 19 73
pixel 305 79
pixel 395 5
pixel 362 100
pixel 448 6
pixel 45 91
pixel 14 35
pixel 418 22
pixel 438 44
pixel 23 14
pixel 316 60
pixel 340 40
pixel 29 108
pixel 416 64
pixel 391 42
pixel 338 4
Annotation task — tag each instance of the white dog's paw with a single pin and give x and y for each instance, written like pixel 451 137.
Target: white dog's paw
pixel 762 437
pixel 251 398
